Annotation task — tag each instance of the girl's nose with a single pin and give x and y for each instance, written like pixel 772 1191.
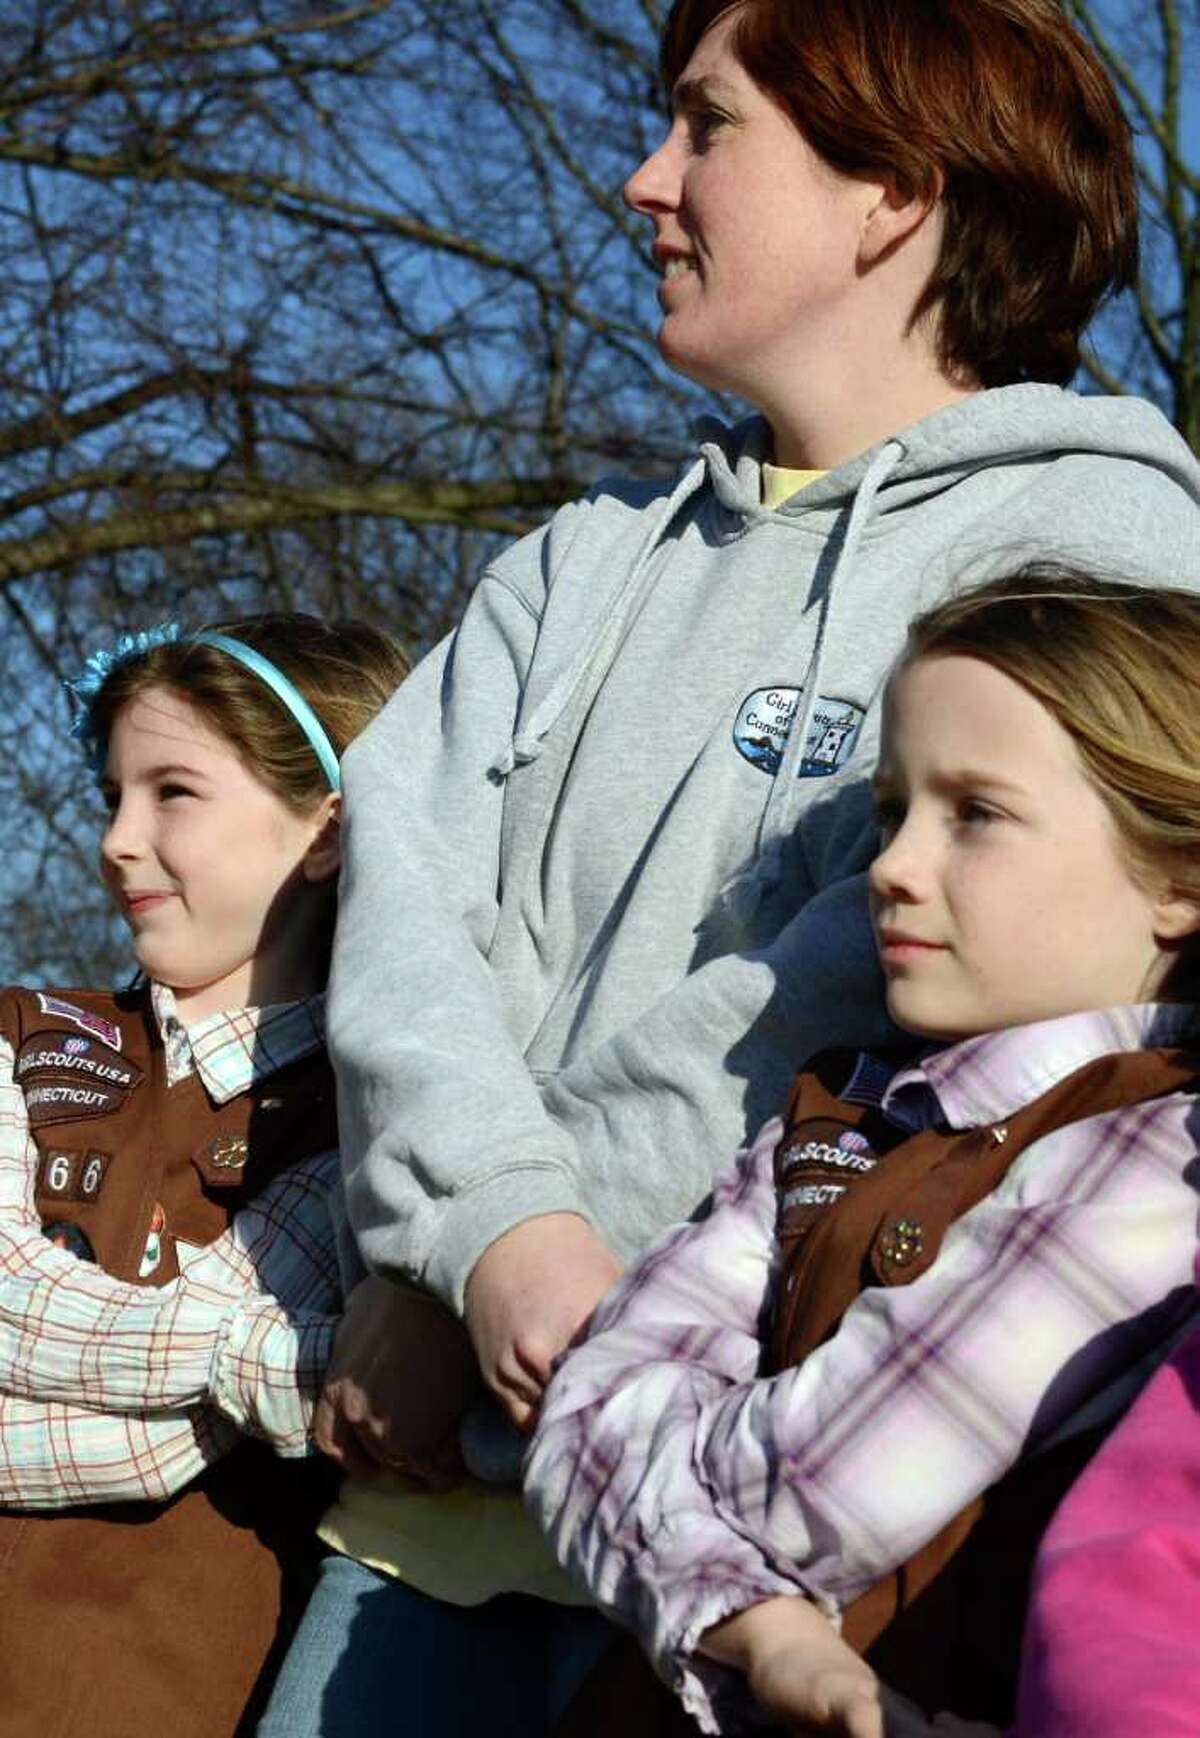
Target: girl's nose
pixel 654 185
pixel 118 842
pixel 896 872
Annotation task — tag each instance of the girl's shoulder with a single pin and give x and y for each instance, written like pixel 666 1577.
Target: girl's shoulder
pixel 113 1017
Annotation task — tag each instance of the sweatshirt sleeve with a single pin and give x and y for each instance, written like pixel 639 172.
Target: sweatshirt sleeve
pixel 655 1111
pixel 446 1144
pixel 447 1140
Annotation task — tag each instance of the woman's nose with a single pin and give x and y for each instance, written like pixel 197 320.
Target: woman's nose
pixel 654 185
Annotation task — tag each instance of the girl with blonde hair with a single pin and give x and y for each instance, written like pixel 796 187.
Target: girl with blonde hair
pixel 957 1265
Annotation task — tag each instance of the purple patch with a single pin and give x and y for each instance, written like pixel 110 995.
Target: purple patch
pixel 85 1018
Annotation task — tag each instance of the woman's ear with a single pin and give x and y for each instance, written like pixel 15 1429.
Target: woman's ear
pixel 323 858
pixel 897 213
pixel 1176 916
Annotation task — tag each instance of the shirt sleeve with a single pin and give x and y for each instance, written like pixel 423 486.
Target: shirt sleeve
pixel 53 1455
pixel 73 1334
pixel 661 1449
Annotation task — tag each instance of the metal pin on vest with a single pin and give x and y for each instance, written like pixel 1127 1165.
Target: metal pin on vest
pixel 227 1152
pixel 902 1242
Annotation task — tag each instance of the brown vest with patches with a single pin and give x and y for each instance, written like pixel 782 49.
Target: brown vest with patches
pixel 862 1204
pixel 124 1619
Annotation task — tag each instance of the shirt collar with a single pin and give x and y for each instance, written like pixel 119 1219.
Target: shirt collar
pixel 231 1051
pixel 984 1079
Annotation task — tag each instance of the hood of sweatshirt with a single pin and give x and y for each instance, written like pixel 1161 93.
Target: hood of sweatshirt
pixel 1004 445
pixel 1029 425
pixel 1011 425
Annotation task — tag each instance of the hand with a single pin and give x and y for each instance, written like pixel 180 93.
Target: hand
pixel 799 1670
pixel 529 1295
pixel 401 1376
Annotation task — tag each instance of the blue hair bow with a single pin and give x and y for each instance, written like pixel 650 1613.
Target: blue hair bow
pixel 83 689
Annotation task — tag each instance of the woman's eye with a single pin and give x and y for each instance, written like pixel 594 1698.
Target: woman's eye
pixel 167 792
pixel 702 124
pixel 977 814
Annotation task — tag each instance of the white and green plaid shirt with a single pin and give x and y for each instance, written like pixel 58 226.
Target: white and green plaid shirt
pixel 111 1391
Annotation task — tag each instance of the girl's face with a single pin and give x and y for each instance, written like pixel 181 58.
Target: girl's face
pixel 214 874
pixel 756 236
pixel 1002 893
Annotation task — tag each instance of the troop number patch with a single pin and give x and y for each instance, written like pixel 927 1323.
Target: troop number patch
pixel 67 1176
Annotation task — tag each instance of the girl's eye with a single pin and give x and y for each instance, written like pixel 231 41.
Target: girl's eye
pixel 168 792
pixel 974 813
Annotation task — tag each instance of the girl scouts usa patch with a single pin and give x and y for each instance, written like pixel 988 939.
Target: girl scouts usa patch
pixel 764 718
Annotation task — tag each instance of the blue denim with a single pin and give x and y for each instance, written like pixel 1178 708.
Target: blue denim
pixel 373 1658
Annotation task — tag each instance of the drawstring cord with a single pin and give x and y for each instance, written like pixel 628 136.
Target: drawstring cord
pixel 742 895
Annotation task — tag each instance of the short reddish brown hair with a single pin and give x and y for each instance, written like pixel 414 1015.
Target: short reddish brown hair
pixel 1001 101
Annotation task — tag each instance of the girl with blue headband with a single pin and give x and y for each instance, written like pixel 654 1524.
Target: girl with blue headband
pixel 169 1276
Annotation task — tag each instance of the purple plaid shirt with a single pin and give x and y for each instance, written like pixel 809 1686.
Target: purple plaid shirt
pixel 681 1486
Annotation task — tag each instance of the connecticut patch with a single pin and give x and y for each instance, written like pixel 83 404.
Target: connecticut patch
pixel 760 731
pixel 53 1100
pixel 761 726
pixel 817 1161
pixel 832 736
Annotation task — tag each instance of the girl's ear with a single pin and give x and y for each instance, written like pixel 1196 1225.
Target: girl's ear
pixel 1175 915
pixel 896 213
pixel 323 858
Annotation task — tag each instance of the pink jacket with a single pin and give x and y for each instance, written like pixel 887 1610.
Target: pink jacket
pixel 1112 1645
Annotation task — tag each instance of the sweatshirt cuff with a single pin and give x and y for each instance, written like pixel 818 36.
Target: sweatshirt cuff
pixel 476 1216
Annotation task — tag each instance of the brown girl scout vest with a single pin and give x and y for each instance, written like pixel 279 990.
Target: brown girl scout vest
pixel 123 1619
pixel 863 1204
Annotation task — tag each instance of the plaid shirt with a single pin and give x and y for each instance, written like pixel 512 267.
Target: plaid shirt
pixel 682 1487
pixel 112 1391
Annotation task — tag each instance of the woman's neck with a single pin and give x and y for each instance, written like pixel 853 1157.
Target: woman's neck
pixel 845 412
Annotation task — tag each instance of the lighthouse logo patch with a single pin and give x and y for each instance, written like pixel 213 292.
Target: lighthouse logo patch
pixel 764 718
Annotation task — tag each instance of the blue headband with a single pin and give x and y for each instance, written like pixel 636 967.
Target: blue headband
pixel 83 690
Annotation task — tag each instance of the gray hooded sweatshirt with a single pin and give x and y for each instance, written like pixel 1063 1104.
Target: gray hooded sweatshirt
pixel 603 887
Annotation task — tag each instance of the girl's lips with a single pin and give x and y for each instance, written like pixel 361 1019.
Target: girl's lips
pixel 143 901
pixel 896 948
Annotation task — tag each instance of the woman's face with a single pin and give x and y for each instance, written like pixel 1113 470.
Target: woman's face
pixel 756 237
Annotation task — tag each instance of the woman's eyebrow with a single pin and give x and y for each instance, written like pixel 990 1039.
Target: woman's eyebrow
pixel 694 93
